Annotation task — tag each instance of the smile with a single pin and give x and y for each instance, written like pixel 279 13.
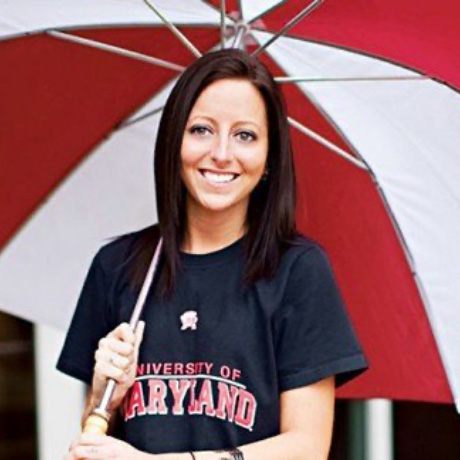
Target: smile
pixel 218 178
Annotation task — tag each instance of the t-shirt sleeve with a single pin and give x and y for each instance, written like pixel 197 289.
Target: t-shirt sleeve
pixel 314 336
pixel 89 323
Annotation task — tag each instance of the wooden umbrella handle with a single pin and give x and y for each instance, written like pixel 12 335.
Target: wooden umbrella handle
pixel 96 423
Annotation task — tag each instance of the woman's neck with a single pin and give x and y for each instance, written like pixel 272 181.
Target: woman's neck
pixel 209 231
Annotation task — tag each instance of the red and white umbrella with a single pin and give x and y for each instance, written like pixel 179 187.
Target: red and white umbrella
pixel 375 120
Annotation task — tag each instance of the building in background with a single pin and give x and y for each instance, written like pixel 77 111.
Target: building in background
pixel 18 440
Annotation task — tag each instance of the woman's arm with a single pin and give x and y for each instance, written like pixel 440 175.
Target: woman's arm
pixel 307 415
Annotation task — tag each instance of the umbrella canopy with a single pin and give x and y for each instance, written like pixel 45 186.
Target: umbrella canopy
pixel 376 124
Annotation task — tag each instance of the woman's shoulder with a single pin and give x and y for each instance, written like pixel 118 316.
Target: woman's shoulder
pixel 303 247
pixel 303 266
pixel 304 261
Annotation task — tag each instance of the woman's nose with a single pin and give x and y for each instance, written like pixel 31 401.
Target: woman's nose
pixel 221 151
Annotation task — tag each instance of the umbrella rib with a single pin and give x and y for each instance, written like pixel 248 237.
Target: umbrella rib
pixel 283 79
pixel 132 121
pixel 116 50
pixel 174 30
pixel 307 10
pixel 242 29
pixel 326 143
pixel 368 54
pixel 223 10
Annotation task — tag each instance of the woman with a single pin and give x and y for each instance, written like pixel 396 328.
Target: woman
pixel 245 335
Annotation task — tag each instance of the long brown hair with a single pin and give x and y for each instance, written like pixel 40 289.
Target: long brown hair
pixel 271 209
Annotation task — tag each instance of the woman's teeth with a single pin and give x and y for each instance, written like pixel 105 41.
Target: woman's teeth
pixel 219 178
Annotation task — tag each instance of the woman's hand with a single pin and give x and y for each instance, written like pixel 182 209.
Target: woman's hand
pixel 116 358
pixel 98 447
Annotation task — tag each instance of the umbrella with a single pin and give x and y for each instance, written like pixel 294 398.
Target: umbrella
pixel 374 106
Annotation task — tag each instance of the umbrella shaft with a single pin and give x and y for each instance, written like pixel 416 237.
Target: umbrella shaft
pixel 99 418
pixel 106 398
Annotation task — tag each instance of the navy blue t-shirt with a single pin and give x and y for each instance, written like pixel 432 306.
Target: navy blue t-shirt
pixel 216 356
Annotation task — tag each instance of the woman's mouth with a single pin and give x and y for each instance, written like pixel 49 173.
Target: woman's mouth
pixel 218 177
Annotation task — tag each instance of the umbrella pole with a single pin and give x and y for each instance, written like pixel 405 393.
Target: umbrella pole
pixel 98 421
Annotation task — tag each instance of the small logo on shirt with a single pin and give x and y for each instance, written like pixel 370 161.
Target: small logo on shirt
pixel 189 320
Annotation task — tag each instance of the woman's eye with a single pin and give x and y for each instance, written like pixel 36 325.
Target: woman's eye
pixel 201 130
pixel 246 136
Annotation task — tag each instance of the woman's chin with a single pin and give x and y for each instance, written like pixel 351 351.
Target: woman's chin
pixel 216 207
pixel 220 206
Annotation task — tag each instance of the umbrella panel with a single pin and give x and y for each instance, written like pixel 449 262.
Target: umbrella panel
pixel 232 7
pixel 63 99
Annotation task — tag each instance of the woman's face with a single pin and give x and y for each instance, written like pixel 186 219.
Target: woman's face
pixel 225 147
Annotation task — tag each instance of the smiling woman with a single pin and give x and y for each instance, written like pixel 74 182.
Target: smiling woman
pixel 246 334
pixel 228 107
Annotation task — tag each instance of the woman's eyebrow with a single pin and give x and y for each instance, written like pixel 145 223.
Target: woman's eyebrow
pixel 203 116
pixel 239 122
pixel 248 122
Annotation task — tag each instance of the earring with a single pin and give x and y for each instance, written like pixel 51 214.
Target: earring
pixel 265 175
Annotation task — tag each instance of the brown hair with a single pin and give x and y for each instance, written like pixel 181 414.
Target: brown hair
pixel 271 210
